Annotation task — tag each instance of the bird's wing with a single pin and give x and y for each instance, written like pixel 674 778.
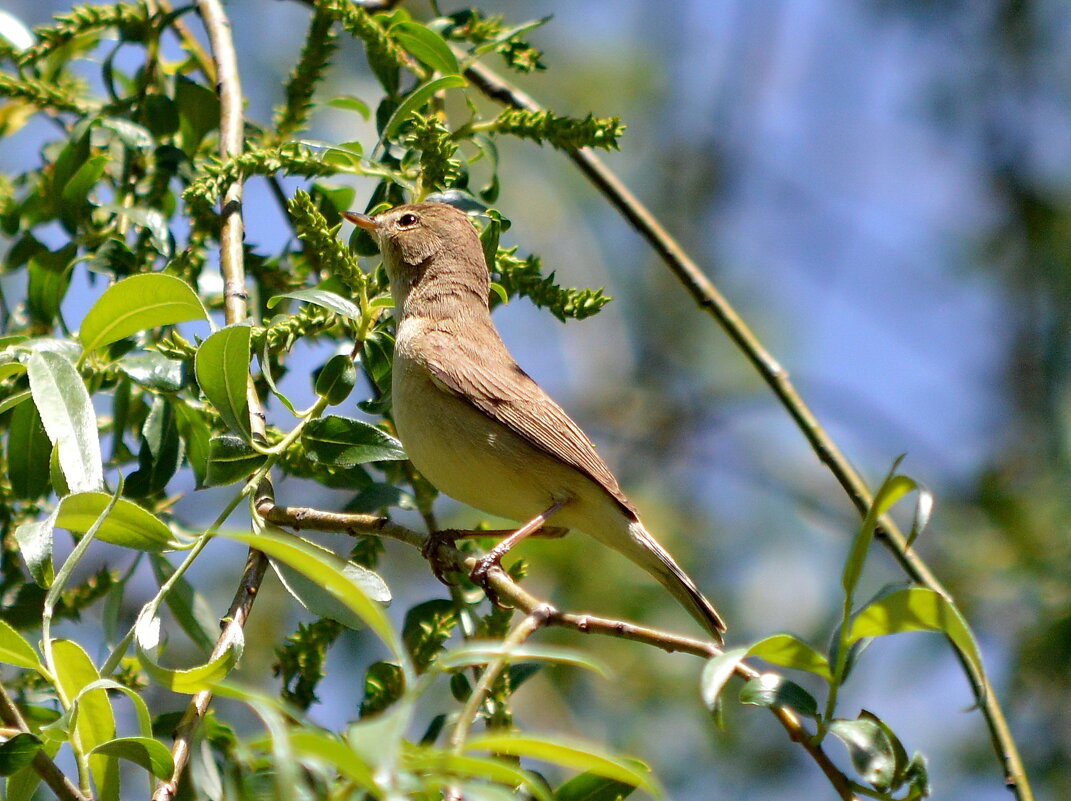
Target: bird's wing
pixel 497 386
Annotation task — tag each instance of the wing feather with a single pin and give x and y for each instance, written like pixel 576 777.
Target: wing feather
pixel 495 384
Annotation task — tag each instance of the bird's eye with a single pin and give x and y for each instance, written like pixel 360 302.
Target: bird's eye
pixel 408 220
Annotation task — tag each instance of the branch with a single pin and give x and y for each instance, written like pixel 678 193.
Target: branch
pixel 232 233
pixel 541 613
pixel 44 766
pixel 707 296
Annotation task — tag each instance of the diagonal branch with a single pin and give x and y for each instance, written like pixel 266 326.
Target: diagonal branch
pixel 541 613
pixel 707 296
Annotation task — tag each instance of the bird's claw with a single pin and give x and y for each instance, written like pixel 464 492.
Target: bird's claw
pixel 432 551
pixel 481 577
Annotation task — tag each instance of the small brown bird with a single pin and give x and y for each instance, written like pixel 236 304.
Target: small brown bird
pixel 471 419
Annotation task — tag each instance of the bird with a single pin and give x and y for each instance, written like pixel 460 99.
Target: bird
pixel 475 424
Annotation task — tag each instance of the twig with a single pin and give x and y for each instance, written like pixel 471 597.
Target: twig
pixel 707 296
pixel 232 266
pixel 508 590
pixel 51 775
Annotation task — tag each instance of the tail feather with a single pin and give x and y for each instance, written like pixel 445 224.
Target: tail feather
pixel 646 552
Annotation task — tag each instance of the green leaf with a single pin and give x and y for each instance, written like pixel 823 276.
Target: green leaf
pixel 416 100
pixel 28 452
pixel 154 371
pixel 426 761
pixel 426 45
pixel 144 751
pixel 576 755
pixel 198 109
pixel 188 681
pixel 152 220
pixel 345 442
pixel 23 783
pixel 68 416
pixel 716 675
pixel 95 721
pixel 769 689
pixel 35 543
pixel 14 650
pixel 892 489
pixel 477 653
pixel 138 303
pixel 331 301
pixel 222 369
pixel 917 609
pixel 320 601
pixel 74 201
pixel 49 279
pixel 788 651
pixel 12 401
pixel 160 454
pixel 341 757
pixel 128 525
pixel 336 380
pixel 18 752
pixel 872 754
pixel 589 787
pixel 141 709
pixel 194 430
pixel 328 570
pixel 350 103
pixel 230 459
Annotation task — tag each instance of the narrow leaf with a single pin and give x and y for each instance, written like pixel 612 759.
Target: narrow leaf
pixel 28 452
pixel 128 524
pixel 67 413
pixel 476 653
pixel 328 570
pixel 326 299
pixel 416 100
pixel 345 442
pixel 324 604
pixel 917 609
pixel 576 755
pixel 188 681
pixel 222 369
pixel 144 751
pixel 716 675
pixel 426 45
pixel 230 459
pixel 94 720
pixel 788 651
pixel 14 650
pixel 769 690
pixel 35 538
pixel 18 752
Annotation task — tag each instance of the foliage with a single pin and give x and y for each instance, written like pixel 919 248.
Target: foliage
pixel 109 416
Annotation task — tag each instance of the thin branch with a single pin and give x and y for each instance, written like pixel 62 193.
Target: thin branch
pixel 232 233
pixel 51 775
pixel 707 296
pixel 508 590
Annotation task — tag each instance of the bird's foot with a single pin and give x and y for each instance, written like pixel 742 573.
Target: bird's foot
pixel 481 576
pixel 432 550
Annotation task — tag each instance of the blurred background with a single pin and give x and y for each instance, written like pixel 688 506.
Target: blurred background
pixel 881 188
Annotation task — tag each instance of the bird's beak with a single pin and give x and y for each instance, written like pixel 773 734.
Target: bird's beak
pixel 362 220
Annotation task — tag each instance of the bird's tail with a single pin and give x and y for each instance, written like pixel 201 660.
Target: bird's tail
pixel 645 551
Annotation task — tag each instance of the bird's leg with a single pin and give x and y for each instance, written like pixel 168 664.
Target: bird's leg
pixel 494 556
pixel 449 536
